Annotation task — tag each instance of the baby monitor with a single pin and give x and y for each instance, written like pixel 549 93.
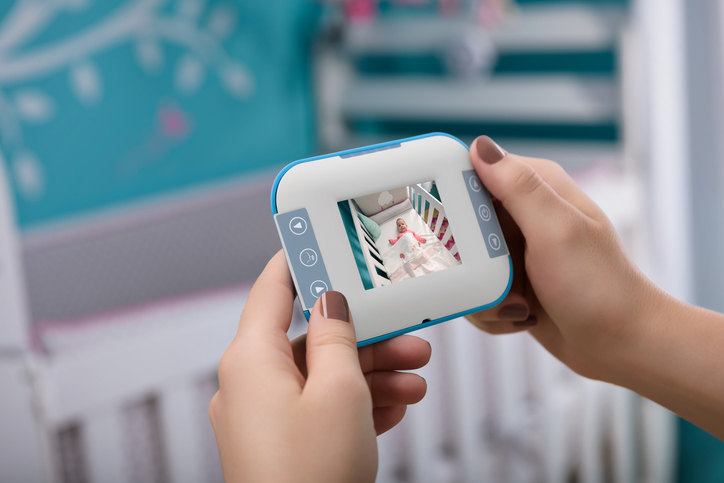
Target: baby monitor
pixel 405 230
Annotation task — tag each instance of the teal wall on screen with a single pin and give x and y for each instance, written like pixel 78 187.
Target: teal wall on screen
pixel 135 130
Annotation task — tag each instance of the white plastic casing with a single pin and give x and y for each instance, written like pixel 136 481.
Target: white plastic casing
pixel 317 184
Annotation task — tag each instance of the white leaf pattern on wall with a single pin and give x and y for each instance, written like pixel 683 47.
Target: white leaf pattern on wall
pixel 222 20
pixel 34 106
pixel 149 55
pixel 190 9
pixel 85 80
pixel 147 25
pixel 28 174
pixel 74 5
pixel 236 79
pixel 189 74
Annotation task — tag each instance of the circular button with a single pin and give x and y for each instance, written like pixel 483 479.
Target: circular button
pixel 318 288
pixel 474 183
pixel 298 225
pixel 494 241
pixel 308 257
pixel 484 212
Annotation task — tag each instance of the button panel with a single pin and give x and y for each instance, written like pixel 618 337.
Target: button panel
pixel 487 219
pixel 302 250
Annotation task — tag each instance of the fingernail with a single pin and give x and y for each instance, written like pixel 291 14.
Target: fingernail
pixel 529 322
pixel 334 306
pixel 514 312
pixel 488 150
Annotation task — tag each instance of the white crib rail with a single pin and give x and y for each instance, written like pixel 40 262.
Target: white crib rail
pixel 366 245
pixel 498 409
pixel 164 369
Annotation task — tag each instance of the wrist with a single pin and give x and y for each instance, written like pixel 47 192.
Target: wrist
pixel 632 352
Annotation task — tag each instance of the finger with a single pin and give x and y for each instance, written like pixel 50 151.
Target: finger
pixel 516 246
pixel 390 388
pixel 528 198
pixel 268 309
pixel 331 343
pixel 500 327
pixel 514 307
pixel 551 172
pixel 261 340
pixel 401 353
pixel 387 418
pixel 299 350
pixel 562 183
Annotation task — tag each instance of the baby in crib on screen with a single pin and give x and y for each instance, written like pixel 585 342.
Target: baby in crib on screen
pixel 309 410
pixel 402 228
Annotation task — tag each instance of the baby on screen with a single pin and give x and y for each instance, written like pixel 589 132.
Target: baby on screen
pixel 402 228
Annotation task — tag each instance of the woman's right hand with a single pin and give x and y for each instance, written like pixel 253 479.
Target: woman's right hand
pixel 574 286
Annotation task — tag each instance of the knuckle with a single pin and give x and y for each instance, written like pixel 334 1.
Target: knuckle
pixel 572 230
pixel 214 409
pixel 334 338
pixel 227 367
pixel 526 180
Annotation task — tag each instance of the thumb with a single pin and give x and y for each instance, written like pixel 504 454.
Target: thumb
pixel 531 202
pixel 331 341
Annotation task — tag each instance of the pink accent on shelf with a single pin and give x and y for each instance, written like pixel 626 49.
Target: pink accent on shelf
pixel 449 8
pixel 361 11
pixel 47 327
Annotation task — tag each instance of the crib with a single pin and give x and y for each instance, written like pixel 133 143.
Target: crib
pixel 123 397
pixel 428 208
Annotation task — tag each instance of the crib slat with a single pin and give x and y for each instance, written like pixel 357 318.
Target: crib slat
pixel 180 410
pixel 24 454
pixel 103 446
pixel 624 437
pixel 427 463
pixel 379 265
pixel 592 432
pixel 440 222
pixel 392 457
pixel 369 240
pixel 448 234
pixel 466 356
pixel 510 389
pixel 659 451
pixel 435 222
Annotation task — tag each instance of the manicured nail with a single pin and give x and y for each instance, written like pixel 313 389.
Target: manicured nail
pixel 529 322
pixel 488 150
pixel 334 306
pixel 514 312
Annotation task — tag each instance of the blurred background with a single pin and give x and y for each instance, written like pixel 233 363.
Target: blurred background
pixel 138 143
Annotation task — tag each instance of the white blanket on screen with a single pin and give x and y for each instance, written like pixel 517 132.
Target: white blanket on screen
pixel 409 258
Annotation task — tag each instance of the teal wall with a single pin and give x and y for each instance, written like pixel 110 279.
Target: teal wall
pixel 701 455
pixel 104 128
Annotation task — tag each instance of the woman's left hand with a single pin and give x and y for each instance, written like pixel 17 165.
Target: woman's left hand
pixel 308 410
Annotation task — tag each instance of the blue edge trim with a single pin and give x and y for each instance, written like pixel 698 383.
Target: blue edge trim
pixel 368 148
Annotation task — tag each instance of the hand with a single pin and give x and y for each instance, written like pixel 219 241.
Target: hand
pixel 574 286
pixel 308 410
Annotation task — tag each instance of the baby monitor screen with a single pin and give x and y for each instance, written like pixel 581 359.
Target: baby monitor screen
pixel 399 234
